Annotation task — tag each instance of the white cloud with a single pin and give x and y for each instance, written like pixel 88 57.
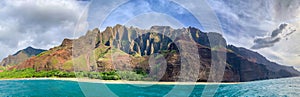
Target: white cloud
pixel 245 20
pixel 283 10
pixel 145 21
pixel 286 51
pixel 119 15
pixel 37 23
pixel 97 14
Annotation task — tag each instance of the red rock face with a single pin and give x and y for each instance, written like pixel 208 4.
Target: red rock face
pixel 50 60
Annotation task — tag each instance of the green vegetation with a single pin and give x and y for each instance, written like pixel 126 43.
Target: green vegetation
pixel 48 51
pixel 68 65
pixel 2 67
pixel 111 75
pixel 31 73
pixel 106 52
pixel 131 76
pixel 218 48
pixel 54 60
pixel 43 53
pixel 165 52
pixel 99 75
pixel 136 55
pixel 100 52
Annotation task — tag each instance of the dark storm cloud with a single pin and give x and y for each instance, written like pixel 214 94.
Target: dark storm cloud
pixel 276 32
pixel 264 42
pixel 275 37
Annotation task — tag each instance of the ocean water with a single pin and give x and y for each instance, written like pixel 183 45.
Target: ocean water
pixel 288 87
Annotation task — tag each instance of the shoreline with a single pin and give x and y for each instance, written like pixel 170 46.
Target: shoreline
pixel 125 81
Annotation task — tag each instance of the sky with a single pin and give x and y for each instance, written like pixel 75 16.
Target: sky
pixel 270 27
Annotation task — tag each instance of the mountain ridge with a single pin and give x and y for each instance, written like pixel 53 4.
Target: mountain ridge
pixel 133 47
pixel 20 56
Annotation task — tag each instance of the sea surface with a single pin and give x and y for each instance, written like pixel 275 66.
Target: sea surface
pixel 287 87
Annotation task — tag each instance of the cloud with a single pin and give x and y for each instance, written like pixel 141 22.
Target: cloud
pixel 145 21
pixel 285 52
pixel 97 14
pixel 246 21
pixel 37 23
pixel 264 42
pixel 249 19
pixel 278 31
pixel 121 14
pixel 133 8
pixel 285 10
pixel 242 21
pixel 276 35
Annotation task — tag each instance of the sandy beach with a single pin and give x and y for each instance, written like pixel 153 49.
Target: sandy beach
pixel 125 81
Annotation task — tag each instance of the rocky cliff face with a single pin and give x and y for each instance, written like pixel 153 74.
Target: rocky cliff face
pixel 20 56
pixel 166 54
pixel 241 64
pixel 258 58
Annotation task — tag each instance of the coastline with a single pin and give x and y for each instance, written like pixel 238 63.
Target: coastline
pixel 126 82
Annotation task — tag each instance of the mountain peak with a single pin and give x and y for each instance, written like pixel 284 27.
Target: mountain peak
pixel 160 27
pixel 29 51
pixel 20 56
pixel 29 47
pixel 66 42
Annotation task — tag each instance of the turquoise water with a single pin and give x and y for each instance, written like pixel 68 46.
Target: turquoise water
pixel 55 88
